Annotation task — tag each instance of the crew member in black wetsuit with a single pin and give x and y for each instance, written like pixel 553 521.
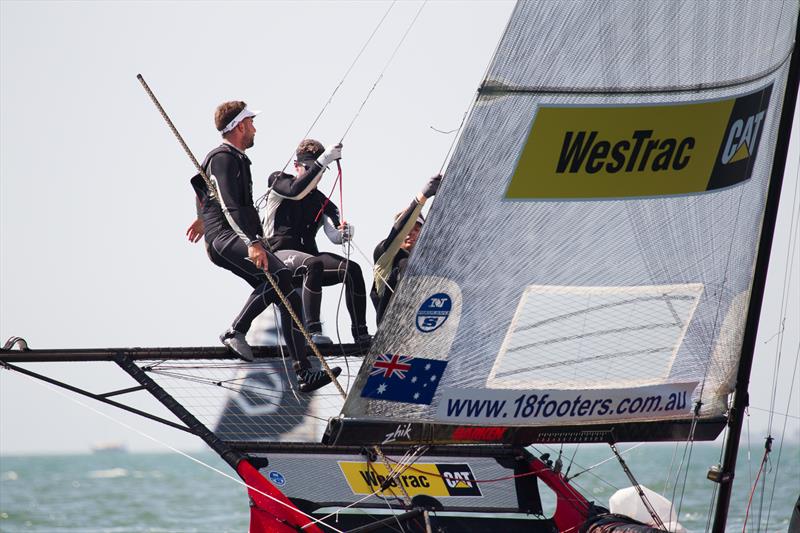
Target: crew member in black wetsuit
pixel 296 210
pixel 233 239
pixel 391 255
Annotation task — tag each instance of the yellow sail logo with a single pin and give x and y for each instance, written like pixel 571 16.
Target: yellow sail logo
pixel 585 152
pixel 432 479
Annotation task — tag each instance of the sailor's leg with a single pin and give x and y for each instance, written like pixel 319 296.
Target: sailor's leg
pixel 312 293
pixel 306 273
pixel 230 253
pixel 292 336
pixel 338 269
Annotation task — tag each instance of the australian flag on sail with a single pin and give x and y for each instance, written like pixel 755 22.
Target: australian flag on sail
pixel 403 378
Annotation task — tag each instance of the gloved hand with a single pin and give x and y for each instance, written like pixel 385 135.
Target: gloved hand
pixel 432 186
pixel 347 231
pixel 331 154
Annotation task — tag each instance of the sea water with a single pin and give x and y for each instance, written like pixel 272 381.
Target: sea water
pixel 166 492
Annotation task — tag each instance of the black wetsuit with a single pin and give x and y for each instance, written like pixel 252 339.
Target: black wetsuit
pixel 295 212
pixel 391 260
pixel 231 224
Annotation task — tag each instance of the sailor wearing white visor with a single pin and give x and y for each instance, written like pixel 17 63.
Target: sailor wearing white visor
pixel 233 239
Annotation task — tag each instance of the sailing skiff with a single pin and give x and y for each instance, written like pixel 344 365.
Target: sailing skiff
pixel 630 157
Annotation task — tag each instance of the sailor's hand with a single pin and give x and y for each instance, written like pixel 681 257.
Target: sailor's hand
pixel 347 231
pixel 196 230
pixel 432 187
pixel 257 255
pixel 331 154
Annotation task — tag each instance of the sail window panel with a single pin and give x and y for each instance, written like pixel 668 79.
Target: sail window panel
pixel 622 45
pixel 594 337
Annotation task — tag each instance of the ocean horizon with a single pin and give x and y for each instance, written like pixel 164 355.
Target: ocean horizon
pixel 154 492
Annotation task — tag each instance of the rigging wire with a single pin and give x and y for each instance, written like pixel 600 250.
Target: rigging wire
pixel 783 434
pixel 586 471
pixel 386 66
pixel 642 496
pixel 737 392
pixel 689 446
pixel 186 455
pixel 604 461
pixel 767 449
pixel 319 521
pixel 456 136
pixel 571 460
pixel 276 321
pixel 749 450
pixel 794 227
pixel 779 413
pixel 671 466
pixel 715 487
pixel 371 262
pixel 261 201
pixel 347 72
pixel 787 281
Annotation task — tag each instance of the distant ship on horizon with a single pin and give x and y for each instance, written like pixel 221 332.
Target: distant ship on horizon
pixel 109 447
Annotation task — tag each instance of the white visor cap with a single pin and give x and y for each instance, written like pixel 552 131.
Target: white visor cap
pixel 243 114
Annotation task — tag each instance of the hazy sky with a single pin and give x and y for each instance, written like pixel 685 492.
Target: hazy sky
pixel 94 189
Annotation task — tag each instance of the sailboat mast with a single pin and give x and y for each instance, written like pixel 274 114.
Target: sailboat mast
pixel 741 398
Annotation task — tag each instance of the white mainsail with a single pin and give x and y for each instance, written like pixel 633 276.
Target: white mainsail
pixel 605 201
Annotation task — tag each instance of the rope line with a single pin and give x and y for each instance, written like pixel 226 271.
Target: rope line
pixel 386 66
pixel 787 280
pixel 184 454
pixel 212 189
pixel 369 261
pixel 783 434
pixel 341 82
pixel 767 449
pixel 260 203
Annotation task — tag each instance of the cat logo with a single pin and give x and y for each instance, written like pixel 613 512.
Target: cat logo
pixel 459 480
pixel 431 479
pixel 584 152
pixel 741 136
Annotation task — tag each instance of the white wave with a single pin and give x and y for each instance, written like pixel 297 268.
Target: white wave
pixel 9 476
pixel 110 473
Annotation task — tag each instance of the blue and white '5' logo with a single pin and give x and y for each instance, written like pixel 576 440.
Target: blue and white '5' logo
pixel 433 312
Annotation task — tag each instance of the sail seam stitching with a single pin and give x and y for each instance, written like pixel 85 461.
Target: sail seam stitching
pixel 489 89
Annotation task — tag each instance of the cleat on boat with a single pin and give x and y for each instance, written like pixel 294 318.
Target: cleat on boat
pixel 311 380
pixel 236 342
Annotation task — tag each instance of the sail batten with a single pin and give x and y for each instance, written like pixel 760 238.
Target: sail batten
pixel 605 241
